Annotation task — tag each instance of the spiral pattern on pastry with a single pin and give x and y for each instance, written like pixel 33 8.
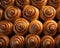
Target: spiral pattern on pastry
pixel 5 27
pixel 12 13
pixel 22 3
pixel 17 41
pixel 30 12
pixel 54 3
pixel 6 3
pixel 47 13
pixel 4 41
pixel 39 3
pixel 58 13
pixel 21 26
pixel 47 42
pixel 50 27
pixel 35 27
pixel 57 41
pixel 1 13
pixel 32 41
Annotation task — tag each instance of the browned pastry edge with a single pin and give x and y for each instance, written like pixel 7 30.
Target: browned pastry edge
pixel 47 13
pixel 4 41
pixel 57 41
pixel 32 41
pixel 35 27
pixel 1 13
pixel 50 27
pixel 39 3
pixel 30 12
pixel 21 26
pixel 6 27
pixel 47 42
pixel 22 3
pixel 58 13
pixel 58 30
pixel 17 41
pixel 6 3
pixel 54 3
pixel 12 13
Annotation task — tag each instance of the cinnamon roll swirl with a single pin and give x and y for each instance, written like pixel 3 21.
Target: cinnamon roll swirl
pixel 30 12
pixel 17 41
pixel 39 3
pixel 1 13
pixel 4 41
pixel 12 13
pixel 35 27
pixel 47 42
pixel 5 27
pixel 47 13
pixel 22 3
pixel 54 3
pixel 6 3
pixel 58 13
pixel 57 41
pixel 50 27
pixel 21 26
pixel 32 41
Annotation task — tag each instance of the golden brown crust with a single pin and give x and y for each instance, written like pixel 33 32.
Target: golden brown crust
pixel 47 13
pixel 21 26
pixel 17 41
pixel 54 3
pixel 6 3
pixel 58 13
pixel 47 42
pixel 4 41
pixel 1 13
pixel 30 12
pixel 57 41
pixel 22 3
pixel 12 13
pixel 50 27
pixel 5 27
pixel 35 27
pixel 32 41
pixel 58 27
pixel 39 3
